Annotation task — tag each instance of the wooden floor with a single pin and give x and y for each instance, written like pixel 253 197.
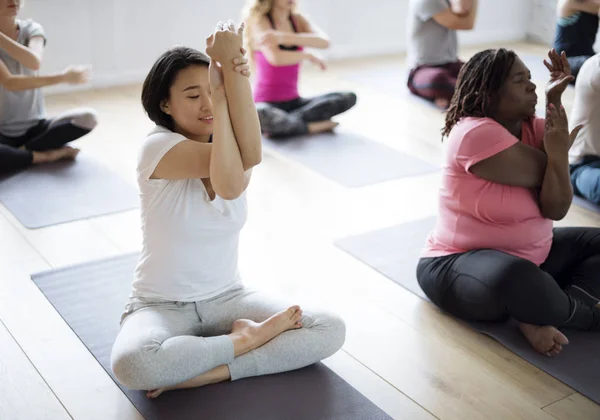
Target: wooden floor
pixel 401 352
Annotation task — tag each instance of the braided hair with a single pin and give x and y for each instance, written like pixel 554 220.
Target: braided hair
pixel 478 83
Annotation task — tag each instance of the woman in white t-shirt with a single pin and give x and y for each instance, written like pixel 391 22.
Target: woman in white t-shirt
pixel 190 322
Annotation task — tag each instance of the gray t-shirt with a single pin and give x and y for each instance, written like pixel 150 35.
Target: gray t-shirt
pixel 429 43
pixel 21 110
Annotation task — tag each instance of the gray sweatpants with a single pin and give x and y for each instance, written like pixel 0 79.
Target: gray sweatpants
pixel 164 343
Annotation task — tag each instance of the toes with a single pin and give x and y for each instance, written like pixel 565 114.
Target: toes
pixel 297 316
pixel 298 324
pixel 560 338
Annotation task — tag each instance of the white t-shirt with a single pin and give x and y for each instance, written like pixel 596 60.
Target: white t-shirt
pixel 190 244
pixel 586 110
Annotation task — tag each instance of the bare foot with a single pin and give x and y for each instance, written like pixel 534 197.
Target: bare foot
pixel 248 335
pixel 322 126
pixel 442 103
pixel 67 153
pixel 546 340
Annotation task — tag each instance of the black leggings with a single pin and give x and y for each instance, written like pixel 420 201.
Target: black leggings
pixel 291 118
pixel 489 285
pixel 46 135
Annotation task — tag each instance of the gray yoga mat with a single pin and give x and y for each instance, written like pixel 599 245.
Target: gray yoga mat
pixel 582 202
pixel 349 159
pixel 394 252
pixel 65 191
pixel 90 298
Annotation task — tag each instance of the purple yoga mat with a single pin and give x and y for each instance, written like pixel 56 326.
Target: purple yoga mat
pixel 90 298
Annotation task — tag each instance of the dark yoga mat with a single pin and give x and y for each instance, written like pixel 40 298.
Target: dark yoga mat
pixel 349 159
pixel 90 298
pixel 65 191
pixel 394 252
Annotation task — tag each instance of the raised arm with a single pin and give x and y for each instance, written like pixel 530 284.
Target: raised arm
pixel 29 56
pixel 459 16
pixel 556 193
pixel 220 161
pixel 16 82
pixel 242 110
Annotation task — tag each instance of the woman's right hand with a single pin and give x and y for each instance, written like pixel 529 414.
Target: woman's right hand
pixel 77 75
pixel 318 61
pixel 557 140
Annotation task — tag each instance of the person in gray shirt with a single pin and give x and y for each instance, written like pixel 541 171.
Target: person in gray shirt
pixel 27 136
pixel 433 46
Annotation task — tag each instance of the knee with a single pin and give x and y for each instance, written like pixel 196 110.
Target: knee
pixel 333 330
pixel 87 119
pixel 133 369
pixel 349 98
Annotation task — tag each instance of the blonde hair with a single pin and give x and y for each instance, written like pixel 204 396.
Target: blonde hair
pixel 253 11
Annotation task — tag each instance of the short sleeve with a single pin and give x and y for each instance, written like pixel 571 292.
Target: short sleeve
pixel 426 9
pixel 154 148
pixel 32 29
pixel 482 142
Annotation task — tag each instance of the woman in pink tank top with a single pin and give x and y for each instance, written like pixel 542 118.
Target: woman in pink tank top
pixel 494 253
pixel 276 37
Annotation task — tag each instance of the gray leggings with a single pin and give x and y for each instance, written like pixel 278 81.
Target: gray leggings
pixel 291 118
pixel 164 343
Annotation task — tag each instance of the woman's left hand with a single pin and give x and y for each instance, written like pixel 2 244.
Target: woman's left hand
pixel 560 74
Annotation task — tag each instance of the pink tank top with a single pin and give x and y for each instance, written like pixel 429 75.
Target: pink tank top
pixel 275 83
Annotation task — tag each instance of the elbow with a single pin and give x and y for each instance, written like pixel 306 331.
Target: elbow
pixel 231 189
pixel 556 211
pixel 252 161
pixel 229 194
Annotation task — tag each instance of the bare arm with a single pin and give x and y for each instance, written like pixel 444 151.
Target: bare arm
pixel 226 167
pixel 272 52
pixel 243 115
pixel 556 193
pixel 29 56
pixel 458 21
pixel 461 7
pixel 21 82
pixel 589 6
pixel 309 34
pixel 527 166
pixel 220 160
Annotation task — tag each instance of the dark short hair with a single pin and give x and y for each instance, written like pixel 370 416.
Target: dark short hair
pixel 161 77
pixel 478 84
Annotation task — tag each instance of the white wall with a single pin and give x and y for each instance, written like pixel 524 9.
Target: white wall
pixel 122 38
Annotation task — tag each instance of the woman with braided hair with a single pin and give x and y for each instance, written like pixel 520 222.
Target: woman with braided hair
pixel 494 253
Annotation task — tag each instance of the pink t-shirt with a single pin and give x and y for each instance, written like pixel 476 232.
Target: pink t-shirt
pixel 478 214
